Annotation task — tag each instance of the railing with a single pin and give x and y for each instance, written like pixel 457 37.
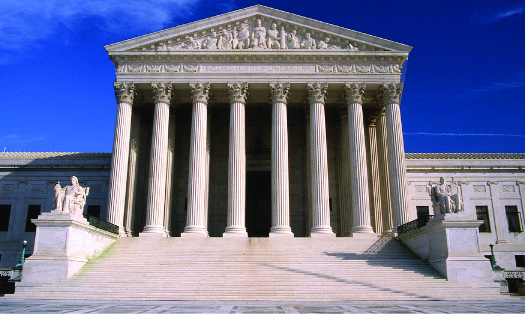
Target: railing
pixel 101 224
pixel 414 224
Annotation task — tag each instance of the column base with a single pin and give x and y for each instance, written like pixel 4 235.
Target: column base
pixel 153 231
pixel 388 233
pixel 231 234
pixel 281 234
pixel 194 235
pixel 362 229
pixel 322 235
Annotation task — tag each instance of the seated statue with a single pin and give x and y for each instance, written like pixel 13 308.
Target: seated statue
pixel 446 198
pixel 71 198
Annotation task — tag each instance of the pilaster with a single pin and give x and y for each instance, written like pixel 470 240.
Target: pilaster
pixel 499 216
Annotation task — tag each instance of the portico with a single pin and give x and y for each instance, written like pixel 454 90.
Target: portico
pixel 192 121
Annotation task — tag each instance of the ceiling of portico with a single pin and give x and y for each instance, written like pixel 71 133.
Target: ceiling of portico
pixel 256 30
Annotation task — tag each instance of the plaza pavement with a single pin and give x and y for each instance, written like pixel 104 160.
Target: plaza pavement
pixel 46 306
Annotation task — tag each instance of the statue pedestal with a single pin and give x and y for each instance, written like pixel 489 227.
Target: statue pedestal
pixel 63 244
pixel 450 243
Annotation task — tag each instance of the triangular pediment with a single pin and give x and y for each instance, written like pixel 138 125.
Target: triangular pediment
pixel 257 27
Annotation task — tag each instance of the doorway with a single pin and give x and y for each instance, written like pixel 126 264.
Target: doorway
pixel 258 203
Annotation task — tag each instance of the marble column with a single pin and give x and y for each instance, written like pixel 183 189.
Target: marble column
pixel 169 173
pixel 391 97
pixel 280 179
pixel 359 176
pixel 384 177
pixel 346 183
pixel 499 221
pixel 132 175
pixel 158 162
pixel 125 92
pixel 196 215
pixel 236 220
pixel 308 209
pixel 375 193
pixel 319 161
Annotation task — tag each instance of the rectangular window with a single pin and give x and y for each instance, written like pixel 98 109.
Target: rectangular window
pixel 513 219
pixel 520 260
pixel 32 213
pixel 5 214
pixel 93 210
pixel 483 214
pixel 422 212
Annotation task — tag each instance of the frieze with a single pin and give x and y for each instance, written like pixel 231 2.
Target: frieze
pixel 203 68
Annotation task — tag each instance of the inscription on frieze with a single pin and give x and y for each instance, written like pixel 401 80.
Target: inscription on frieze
pixel 254 68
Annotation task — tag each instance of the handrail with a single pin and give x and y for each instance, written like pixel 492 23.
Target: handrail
pixel 414 224
pixel 101 224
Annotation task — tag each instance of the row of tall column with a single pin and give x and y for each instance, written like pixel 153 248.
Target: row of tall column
pixel 388 162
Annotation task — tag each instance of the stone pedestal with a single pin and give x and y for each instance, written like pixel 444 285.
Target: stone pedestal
pixel 450 244
pixel 63 244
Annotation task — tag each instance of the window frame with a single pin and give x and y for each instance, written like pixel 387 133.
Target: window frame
pixel 486 222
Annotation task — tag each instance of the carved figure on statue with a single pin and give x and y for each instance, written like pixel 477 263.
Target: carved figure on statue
pixel 308 42
pixel 323 44
pixel 194 44
pixel 210 42
pixel 446 198
pixel 225 41
pixel 241 39
pixel 273 37
pixel 70 199
pixel 292 41
pixel 259 35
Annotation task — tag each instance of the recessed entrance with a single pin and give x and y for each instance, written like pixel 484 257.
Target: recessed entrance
pixel 258 203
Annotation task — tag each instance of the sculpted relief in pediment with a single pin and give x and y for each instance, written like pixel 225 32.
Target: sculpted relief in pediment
pixel 254 33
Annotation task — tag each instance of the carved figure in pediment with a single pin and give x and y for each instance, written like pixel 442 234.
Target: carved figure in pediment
pixel 292 41
pixel 350 47
pixel 259 35
pixel 225 41
pixel 273 37
pixel 194 44
pixel 323 44
pixel 308 42
pixel 71 198
pixel 446 198
pixel 210 42
pixel 241 39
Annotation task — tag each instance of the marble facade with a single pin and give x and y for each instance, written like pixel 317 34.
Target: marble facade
pixel 213 114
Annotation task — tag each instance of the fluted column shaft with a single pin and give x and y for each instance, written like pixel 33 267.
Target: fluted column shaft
pixel 319 161
pixel 125 92
pixel 346 183
pixel 169 174
pixel 158 162
pixel 359 176
pixel 384 177
pixel 236 225
pixel 129 214
pixel 374 173
pixel 396 153
pixel 195 220
pixel 280 173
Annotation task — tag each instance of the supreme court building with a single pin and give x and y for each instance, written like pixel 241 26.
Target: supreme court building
pixel 262 123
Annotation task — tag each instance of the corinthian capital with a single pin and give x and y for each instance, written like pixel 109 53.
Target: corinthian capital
pixel 279 92
pixel 161 92
pixel 125 92
pixel 391 93
pixel 316 92
pixel 200 92
pixel 353 93
pixel 237 92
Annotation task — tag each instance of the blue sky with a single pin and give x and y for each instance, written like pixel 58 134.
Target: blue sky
pixel 464 88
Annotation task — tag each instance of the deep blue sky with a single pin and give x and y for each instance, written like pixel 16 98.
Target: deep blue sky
pixel 464 88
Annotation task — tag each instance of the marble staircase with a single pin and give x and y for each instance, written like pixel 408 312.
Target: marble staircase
pixel 272 269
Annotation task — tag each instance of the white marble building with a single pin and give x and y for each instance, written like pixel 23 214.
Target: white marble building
pixel 260 123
